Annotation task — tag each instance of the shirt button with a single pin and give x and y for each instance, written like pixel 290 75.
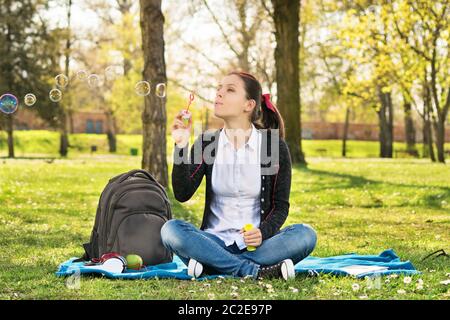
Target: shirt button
pixel 264 177
pixel 262 211
pixel 262 200
pixel 262 188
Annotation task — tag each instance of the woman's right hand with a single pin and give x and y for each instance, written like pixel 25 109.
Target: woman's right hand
pixel 181 133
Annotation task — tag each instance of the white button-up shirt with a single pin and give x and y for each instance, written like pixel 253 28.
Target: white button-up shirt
pixel 236 186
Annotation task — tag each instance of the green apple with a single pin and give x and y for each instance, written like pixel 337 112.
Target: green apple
pixel 134 262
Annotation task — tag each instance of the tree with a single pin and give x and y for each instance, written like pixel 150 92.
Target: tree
pixel 65 107
pixel 286 18
pixel 24 63
pixel 242 34
pixel 364 34
pixel 154 115
pixel 323 61
pixel 121 36
pixel 248 26
pixel 424 27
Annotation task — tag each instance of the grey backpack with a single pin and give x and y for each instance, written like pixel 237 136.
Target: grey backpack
pixel 131 211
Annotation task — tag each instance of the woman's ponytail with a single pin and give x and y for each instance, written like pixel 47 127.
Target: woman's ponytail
pixel 270 116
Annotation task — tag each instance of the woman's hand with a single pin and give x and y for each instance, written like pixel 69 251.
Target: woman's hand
pixel 180 133
pixel 252 237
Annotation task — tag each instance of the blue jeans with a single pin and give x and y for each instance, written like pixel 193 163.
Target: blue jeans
pixel 294 242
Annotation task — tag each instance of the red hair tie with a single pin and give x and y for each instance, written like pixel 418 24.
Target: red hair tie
pixel 268 103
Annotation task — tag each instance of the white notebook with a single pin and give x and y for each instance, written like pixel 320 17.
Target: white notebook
pixel 360 269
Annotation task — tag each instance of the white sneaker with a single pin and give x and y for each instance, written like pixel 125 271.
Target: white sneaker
pixel 287 269
pixel 195 268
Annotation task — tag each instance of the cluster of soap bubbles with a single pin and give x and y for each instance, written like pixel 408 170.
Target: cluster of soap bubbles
pixel 111 73
pixel 143 88
pixel 9 103
pixel 93 80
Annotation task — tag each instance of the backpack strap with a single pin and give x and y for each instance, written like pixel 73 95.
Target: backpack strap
pixel 137 172
pixel 86 256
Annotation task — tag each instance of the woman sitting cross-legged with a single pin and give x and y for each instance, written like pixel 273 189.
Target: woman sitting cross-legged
pixel 241 188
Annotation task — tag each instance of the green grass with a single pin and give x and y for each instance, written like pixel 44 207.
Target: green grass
pixel 355 149
pixel 46 143
pixel 356 205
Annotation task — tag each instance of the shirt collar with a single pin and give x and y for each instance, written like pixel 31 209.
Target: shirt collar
pixel 252 142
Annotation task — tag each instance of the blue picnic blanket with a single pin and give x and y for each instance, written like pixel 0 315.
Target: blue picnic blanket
pixel 359 266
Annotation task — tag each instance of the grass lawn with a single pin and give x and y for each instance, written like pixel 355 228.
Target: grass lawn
pixel 32 143
pixel 35 143
pixel 47 211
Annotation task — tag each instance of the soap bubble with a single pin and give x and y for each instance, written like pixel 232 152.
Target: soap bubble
pixel 8 103
pixel 142 88
pixel 30 99
pixel 112 72
pixel 160 90
pixel 55 95
pixel 82 75
pixel 372 9
pixel 61 80
pixel 93 80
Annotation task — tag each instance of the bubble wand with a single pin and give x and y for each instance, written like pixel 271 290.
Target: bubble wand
pixel 186 115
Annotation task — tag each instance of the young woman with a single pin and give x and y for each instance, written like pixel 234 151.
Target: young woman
pixel 240 190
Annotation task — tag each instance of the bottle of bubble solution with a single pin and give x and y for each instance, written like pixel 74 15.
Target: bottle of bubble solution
pixel 249 227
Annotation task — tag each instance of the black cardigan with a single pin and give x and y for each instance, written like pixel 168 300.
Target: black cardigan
pixel 275 186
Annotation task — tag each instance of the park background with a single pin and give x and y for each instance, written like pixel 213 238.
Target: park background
pixel 363 86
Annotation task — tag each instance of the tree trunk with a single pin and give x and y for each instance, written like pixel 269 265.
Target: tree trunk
pixel 386 125
pixel 65 111
pixel 428 140
pixel 345 135
pixel 63 144
pixel 63 135
pixel 382 124
pixel 439 130
pixel 111 131
pixel 64 132
pixel 9 123
pixel 425 138
pixel 427 132
pixel 410 131
pixel 286 20
pixel 154 115
pixel 439 127
pixel 10 132
pixel 71 125
pixel 390 142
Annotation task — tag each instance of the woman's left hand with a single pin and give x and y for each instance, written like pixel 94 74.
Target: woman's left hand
pixel 252 237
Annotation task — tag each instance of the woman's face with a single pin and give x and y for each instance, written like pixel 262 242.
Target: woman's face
pixel 231 99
